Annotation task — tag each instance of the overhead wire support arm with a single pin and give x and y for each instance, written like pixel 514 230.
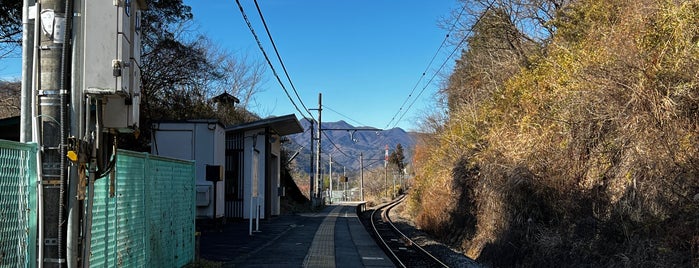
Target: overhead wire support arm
pixel 354 129
pixel 335 145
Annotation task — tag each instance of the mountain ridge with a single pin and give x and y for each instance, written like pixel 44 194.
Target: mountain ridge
pixel 346 142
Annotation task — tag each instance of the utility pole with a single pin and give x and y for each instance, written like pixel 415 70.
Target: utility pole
pixel 318 149
pixel 330 156
pixel 310 172
pixel 317 160
pixel 393 189
pixel 385 170
pixel 53 91
pixel 56 43
pixel 361 174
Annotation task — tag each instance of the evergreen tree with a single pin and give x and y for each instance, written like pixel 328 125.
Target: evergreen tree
pixel 397 158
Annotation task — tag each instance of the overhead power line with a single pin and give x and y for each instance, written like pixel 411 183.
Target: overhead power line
pixel 463 40
pixel 335 145
pixel 259 11
pixel 347 117
pixel 444 41
pixel 301 134
pixel 456 48
pixel 271 66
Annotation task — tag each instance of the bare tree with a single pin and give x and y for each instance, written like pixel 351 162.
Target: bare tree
pixel 531 18
pixel 501 36
pixel 10 26
pixel 241 77
pixel 181 71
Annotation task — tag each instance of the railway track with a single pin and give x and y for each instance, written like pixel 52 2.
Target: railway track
pixel 404 251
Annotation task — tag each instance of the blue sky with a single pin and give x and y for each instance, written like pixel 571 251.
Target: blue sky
pixel 365 56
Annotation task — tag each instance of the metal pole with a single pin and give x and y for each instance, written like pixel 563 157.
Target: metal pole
pixel 252 186
pixel 361 174
pixel 35 134
pixel 319 138
pixel 331 178
pixel 78 256
pixel 53 91
pixel 27 74
pixel 385 180
pixel 385 170
pixel 393 189
pixel 310 168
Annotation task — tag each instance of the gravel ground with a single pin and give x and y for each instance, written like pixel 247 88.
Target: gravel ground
pixel 451 257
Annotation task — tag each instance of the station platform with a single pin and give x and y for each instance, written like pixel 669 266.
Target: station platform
pixel 333 237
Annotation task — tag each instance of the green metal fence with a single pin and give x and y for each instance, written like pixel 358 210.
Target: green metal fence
pixel 17 204
pixel 148 223
pixel 150 220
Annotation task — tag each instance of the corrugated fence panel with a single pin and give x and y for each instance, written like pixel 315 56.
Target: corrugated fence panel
pixel 171 223
pixel 157 212
pixel 17 204
pixel 116 218
pixel 103 226
pixel 130 210
pixel 150 221
pixel 184 224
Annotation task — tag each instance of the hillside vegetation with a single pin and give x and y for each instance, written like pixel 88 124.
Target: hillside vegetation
pixel 577 149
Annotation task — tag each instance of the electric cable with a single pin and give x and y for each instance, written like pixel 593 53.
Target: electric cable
pixel 335 145
pixel 295 142
pixel 271 66
pixel 347 117
pixel 444 41
pixel 366 166
pixel 463 40
pixel 259 11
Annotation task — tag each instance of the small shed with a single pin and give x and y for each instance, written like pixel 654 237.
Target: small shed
pixel 201 141
pixel 252 169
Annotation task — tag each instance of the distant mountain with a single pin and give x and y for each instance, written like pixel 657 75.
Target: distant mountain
pixel 345 142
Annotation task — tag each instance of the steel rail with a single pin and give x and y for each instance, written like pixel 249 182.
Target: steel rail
pixel 385 209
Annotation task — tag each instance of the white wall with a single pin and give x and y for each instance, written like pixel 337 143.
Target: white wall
pixel 248 163
pixel 276 178
pixel 202 142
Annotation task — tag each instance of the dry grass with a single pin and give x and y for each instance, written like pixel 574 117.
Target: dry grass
pixel 588 157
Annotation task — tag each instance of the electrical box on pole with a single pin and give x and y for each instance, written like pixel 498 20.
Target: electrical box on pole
pixel 112 58
pixel 106 77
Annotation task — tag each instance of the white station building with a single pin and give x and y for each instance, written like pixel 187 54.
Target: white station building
pixel 238 167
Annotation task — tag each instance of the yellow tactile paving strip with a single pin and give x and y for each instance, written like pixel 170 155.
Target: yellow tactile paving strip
pixel 322 251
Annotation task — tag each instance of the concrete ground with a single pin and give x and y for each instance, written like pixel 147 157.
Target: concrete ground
pixel 333 237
